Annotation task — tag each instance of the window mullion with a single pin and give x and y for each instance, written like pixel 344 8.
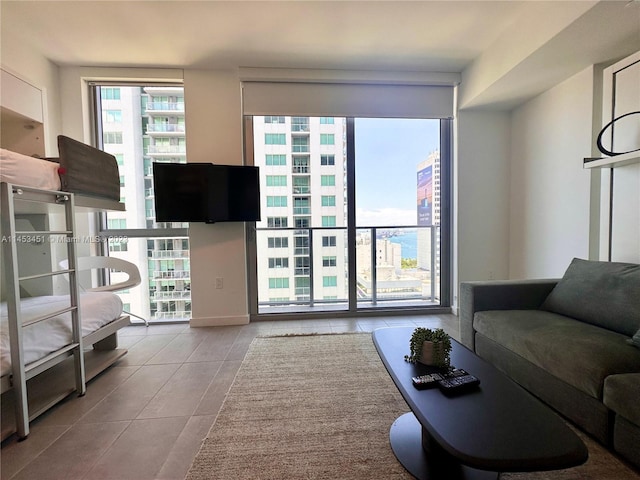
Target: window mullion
pixel 351 216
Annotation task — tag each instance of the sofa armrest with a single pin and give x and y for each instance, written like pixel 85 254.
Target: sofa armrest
pixel 498 295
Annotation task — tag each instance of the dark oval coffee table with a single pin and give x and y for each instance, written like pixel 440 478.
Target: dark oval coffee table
pixel 497 427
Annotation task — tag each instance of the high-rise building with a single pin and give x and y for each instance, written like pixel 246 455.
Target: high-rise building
pixel 301 251
pixel 428 212
pixel 142 125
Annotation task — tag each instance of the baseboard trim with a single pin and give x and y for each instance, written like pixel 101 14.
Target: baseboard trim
pixel 219 321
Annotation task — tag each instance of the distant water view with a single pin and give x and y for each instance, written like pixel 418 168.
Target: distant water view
pixel 409 241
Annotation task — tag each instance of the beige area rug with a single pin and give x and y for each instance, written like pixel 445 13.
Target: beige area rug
pixel 320 407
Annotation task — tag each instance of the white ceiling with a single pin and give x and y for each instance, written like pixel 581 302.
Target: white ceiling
pixel 514 38
pixel 415 35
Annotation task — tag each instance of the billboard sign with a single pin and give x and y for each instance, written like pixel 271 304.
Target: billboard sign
pixel 425 196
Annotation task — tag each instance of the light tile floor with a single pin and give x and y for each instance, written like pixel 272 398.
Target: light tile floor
pixel 145 417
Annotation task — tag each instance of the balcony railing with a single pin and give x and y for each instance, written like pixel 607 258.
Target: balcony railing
pixel 165 128
pixel 175 295
pixel 167 149
pixel 164 254
pixel 405 263
pixel 165 107
pixel 184 315
pixel 164 274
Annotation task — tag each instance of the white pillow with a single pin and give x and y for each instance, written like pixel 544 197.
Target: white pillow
pixel 28 171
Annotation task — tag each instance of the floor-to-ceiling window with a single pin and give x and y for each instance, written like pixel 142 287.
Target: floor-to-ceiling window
pixel 352 213
pixel 140 125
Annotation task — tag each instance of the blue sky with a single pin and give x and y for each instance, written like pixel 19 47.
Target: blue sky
pixel 387 154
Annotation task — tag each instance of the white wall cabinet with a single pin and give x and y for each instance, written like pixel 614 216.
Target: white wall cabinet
pixel 620 179
pixel 21 112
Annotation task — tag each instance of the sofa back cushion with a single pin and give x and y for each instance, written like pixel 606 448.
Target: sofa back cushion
pixel 606 294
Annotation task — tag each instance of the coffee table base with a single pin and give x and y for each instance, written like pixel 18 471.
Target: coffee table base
pixel 428 461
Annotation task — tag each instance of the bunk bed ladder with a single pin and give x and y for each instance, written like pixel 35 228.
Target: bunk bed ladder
pixel 21 372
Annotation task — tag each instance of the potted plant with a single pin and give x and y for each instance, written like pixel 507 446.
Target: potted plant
pixel 430 347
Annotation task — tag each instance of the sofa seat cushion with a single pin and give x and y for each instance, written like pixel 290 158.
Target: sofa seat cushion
pixel 622 394
pixel 578 353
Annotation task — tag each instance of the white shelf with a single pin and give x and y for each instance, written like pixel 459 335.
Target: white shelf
pixel 612 162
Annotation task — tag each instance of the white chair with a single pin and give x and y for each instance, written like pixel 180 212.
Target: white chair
pixel 110 263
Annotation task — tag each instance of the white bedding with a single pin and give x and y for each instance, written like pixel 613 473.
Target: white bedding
pixel 28 171
pixel 40 339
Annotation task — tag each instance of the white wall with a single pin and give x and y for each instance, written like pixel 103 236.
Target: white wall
pixel 550 191
pixel 482 195
pixel 213 112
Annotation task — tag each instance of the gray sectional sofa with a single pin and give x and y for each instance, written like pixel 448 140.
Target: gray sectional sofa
pixel 573 342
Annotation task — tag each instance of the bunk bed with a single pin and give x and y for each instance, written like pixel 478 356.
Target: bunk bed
pixel 46 340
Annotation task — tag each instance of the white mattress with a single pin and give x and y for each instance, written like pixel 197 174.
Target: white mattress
pixel 28 171
pixel 40 339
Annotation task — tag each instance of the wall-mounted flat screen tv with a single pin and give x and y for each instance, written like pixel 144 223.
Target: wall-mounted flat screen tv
pixel 205 192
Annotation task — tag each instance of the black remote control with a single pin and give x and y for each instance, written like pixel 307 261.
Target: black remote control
pixel 458 384
pixel 455 372
pixel 427 381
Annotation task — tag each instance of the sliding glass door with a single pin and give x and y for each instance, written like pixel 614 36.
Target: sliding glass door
pixel 398 211
pixel 301 241
pixel 354 213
